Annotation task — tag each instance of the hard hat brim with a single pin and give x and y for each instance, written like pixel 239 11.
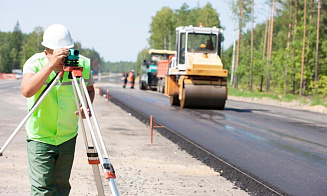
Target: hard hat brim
pixel 53 48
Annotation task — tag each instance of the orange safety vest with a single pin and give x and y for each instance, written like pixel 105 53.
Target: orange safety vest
pixel 131 77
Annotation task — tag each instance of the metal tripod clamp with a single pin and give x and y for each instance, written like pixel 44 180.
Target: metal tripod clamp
pixel 93 156
pixel 74 71
pixel 110 171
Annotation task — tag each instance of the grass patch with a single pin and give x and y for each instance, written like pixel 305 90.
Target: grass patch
pixel 289 98
pixel 244 93
pixel 318 100
pixel 311 100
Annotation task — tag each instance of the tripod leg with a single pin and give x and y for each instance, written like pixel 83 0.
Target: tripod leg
pixel 29 114
pixel 94 161
pixel 106 165
pixel 109 170
pixel 87 117
pixel 91 152
pixel 80 119
pixel 98 181
pixel 83 86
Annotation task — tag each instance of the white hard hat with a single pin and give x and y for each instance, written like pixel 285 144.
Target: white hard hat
pixel 57 36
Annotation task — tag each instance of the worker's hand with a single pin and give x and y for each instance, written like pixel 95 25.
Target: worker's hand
pixel 57 58
pixel 83 114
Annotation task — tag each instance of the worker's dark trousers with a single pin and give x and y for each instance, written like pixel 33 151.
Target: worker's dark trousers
pixel 49 167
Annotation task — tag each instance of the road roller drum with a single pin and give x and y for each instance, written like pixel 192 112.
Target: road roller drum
pixel 203 96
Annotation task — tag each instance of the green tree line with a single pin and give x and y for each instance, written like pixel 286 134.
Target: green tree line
pixel 16 47
pixel 120 67
pixel 282 55
pixel 163 25
pixel 288 55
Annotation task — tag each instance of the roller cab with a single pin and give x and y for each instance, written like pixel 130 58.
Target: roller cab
pixel 197 79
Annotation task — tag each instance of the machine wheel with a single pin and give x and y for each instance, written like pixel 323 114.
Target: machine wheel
pixel 142 86
pixel 159 86
pixel 174 100
pixel 162 89
pixel 203 96
pixel 182 101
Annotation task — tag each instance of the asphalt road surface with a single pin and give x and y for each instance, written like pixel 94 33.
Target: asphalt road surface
pixel 283 148
pixel 9 85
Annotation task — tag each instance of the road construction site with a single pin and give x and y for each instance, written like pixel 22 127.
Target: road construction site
pixel 246 149
pixel 142 168
pixel 263 148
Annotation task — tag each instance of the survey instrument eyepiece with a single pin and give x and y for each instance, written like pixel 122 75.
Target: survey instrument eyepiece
pixel 72 58
pixel 75 52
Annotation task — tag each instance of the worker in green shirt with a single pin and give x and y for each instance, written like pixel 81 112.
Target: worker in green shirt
pixel 52 128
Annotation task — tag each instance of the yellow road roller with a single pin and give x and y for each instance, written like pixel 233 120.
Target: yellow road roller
pixel 196 78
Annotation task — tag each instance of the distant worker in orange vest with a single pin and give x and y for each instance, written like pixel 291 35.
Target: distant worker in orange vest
pixel 131 78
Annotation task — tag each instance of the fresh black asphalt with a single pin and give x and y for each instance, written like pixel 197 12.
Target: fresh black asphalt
pixel 282 148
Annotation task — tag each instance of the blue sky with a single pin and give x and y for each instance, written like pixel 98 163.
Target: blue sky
pixel 118 30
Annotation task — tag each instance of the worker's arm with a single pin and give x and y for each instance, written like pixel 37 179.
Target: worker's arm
pixel 91 91
pixel 32 83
